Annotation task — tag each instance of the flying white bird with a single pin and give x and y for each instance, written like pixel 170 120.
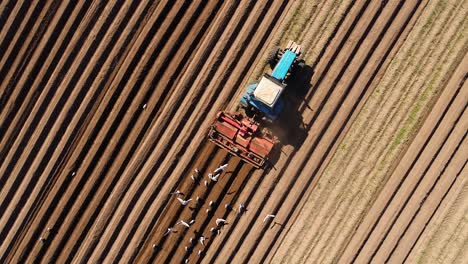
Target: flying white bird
pixel 184 202
pixel 202 240
pixel 221 168
pixel 214 178
pixel 220 222
pixel 181 222
pixel 168 231
pixel 268 217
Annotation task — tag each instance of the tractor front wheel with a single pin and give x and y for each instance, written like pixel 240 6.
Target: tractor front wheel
pixel 273 57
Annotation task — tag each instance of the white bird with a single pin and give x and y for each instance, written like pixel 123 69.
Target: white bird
pixel 202 240
pixel 220 222
pixel 186 261
pixel 73 174
pixel 144 106
pixel 184 202
pixel 198 199
pixel 241 208
pixel 214 178
pixel 192 222
pixel 219 232
pixel 168 231
pixel 176 193
pixel 186 249
pixel 212 229
pixel 227 206
pixel 208 210
pixel 154 246
pixel 199 252
pixel 196 171
pixel 268 216
pixel 41 239
pixel 191 240
pixel 181 222
pixel 221 168
pixel 211 203
pixel 193 178
pixel 206 184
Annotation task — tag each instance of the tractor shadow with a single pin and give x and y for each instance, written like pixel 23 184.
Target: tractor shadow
pixel 290 128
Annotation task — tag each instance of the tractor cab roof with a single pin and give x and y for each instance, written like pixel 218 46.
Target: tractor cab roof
pixel 269 90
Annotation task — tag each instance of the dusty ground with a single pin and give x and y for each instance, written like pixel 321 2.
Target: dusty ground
pixel 105 109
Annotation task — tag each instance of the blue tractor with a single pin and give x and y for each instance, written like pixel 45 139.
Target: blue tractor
pixel 242 133
pixel 263 99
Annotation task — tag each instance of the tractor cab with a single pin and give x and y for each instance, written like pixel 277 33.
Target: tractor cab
pixel 264 98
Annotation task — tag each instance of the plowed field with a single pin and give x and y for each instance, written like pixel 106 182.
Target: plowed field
pixel 105 107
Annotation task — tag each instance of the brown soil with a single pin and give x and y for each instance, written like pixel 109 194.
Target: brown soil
pixel 105 108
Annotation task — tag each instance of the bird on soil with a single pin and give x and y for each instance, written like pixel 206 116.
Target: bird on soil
pixel 211 203
pixel 196 171
pixel 186 249
pixel 206 184
pixel 202 240
pixel 242 208
pixel 268 216
pixel 176 193
pixel 144 106
pixel 193 178
pixel 184 202
pixel 199 252
pixel 192 222
pixel 220 222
